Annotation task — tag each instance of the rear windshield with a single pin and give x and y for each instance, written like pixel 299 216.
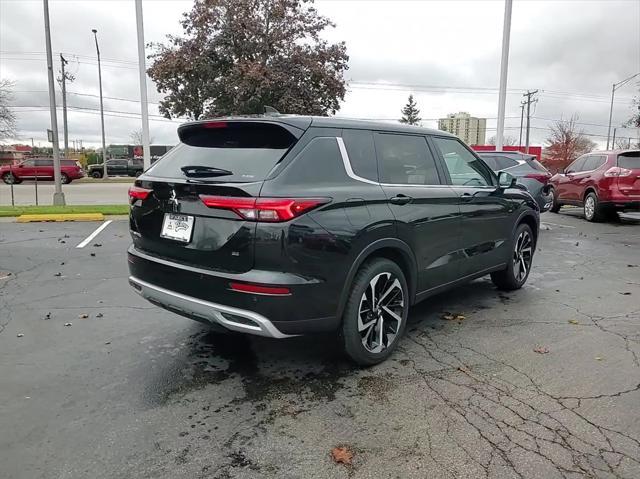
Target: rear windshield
pixel 236 152
pixel 629 160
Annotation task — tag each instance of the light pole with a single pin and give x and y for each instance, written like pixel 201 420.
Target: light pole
pixel 58 195
pixel 104 147
pixel 146 153
pixel 613 92
pixel 504 67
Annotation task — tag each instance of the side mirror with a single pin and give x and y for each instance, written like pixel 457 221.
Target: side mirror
pixel 506 180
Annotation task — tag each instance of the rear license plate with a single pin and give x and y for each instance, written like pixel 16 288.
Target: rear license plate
pixel 177 227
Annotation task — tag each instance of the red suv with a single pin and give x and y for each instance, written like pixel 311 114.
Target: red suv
pixel 42 168
pixel 601 182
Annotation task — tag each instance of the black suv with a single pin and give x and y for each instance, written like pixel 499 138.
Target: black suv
pixel 288 225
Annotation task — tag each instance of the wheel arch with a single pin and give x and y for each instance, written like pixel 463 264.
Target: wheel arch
pixel 589 189
pixel 530 220
pixel 391 248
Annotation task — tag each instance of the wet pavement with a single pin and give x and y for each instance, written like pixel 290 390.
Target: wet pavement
pixel 542 382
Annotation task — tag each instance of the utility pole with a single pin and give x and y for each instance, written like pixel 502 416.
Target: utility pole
pixel 58 195
pixel 63 62
pixel 528 102
pixel 521 122
pixel 613 92
pixel 104 147
pixel 146 149
pixel 504 67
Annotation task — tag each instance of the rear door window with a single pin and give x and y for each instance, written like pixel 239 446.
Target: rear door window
pixel 629 160
pixel 464 168
pixel 362 153
pixel 234 152
pixel 593 162
pixel 536 165
pixel 44 162
pixel 576 166
pixel 405 160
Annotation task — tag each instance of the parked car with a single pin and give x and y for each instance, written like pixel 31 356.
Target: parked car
pixel 42 169
pixel 527 169
pixel 602 182
pixel 281 226
pixel 117 167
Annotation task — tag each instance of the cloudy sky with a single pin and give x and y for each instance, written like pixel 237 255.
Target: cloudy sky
pixel 447 53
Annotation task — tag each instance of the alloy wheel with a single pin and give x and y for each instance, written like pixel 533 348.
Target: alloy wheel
pixel 522 256
pixel 9 179
pixel 381 312
pixel 589 207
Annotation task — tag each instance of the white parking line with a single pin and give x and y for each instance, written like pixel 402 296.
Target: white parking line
pixel 86 241
pixel 559 226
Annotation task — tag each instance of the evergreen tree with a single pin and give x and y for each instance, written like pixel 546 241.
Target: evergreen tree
pixel 410 113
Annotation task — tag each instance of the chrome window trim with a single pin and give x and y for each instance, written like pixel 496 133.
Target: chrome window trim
pixel 347 166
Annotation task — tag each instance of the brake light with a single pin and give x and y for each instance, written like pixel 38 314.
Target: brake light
pixel 215 124
pixel 616 171
pixel 138 193
pixel 259 289
pixel 272 210
pixel 541 177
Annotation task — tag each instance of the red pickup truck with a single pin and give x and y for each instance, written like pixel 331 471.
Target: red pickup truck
pixel 41 168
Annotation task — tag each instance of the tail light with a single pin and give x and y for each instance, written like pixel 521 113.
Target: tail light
pixel 259 289
pixel 271 210
pixel 138 193
pixel 541 177
pixel 616 171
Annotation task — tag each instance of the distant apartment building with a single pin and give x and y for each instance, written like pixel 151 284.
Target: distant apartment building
pixel 468 128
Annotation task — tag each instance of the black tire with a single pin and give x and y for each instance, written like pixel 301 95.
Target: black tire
pixel 593 211
pixel 10 179
pixel 354 334
pixel 511 278
pixel 64 179
pixel 555 206
pixel 96 174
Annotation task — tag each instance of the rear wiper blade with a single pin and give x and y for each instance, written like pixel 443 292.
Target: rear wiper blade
pixel 198 171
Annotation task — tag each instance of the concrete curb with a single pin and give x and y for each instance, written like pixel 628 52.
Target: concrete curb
pixel 61 217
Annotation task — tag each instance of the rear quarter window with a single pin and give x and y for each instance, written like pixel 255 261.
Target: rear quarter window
pixel 319 162
pixel 629 160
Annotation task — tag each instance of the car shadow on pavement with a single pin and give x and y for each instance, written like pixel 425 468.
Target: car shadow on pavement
pixel 314 365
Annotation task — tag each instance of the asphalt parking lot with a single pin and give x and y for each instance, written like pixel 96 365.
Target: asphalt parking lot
pixel 542 382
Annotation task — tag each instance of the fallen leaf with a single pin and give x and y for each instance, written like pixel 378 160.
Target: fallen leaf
pixel 99 315
pixel 100 301
pixel 574 321
pixel 83 316
pixel 58 274
pixel 342 455
pixel 107 342
pixel 541 350
pixel 62 264
pixel 20 335
pixel 68 324
pixel 447 316
pixel 93 254
pixel 577 243
pixel 453 316
pixel 97 245
pixel 626 293
pixel 632 266
pixel 47 316
pixel 598 358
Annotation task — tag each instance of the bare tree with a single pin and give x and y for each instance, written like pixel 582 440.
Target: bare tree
pixel 507 141
pixel 7 117
pixel 566 142
pixel 136 137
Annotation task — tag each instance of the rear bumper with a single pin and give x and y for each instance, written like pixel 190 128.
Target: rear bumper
pixel 231 318
pixel 204 295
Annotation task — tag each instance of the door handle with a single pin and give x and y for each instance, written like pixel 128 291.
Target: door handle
pixel 401 200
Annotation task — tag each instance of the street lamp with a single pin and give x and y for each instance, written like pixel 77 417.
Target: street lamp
pixel 104 148
pixel 613 92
